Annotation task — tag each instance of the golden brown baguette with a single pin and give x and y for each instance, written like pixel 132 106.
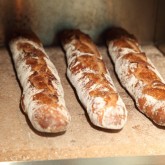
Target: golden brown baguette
pixel 43 97
pixel 92 81
pixel 137 74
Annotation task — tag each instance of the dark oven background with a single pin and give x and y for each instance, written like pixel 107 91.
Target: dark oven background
pixel 144 18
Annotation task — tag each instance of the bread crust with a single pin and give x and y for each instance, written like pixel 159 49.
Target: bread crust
pixel 42 97
pixel 137 74
pixel 91 79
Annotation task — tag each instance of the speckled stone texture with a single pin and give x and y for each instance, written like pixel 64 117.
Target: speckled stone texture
pixel 20 142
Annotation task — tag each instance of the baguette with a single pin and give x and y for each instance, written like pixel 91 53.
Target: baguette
pixel 42 97
pixel 91 79
pixel 137 74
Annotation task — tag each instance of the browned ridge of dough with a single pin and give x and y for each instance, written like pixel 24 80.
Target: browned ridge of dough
pixel 41 77
pixel 119 33
pixel 49 115
pixel 84 44
pixel 83 41
pixel 91 60
pixel 144 72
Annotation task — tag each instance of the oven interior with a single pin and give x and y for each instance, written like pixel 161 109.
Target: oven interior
pixel 140 137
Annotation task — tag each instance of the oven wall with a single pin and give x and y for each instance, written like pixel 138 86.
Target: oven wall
pixel 160 23
pixel 48 17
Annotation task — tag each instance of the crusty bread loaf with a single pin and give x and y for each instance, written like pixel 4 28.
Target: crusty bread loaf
pixel 92 81
pixel 137 74
pixel 43 97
